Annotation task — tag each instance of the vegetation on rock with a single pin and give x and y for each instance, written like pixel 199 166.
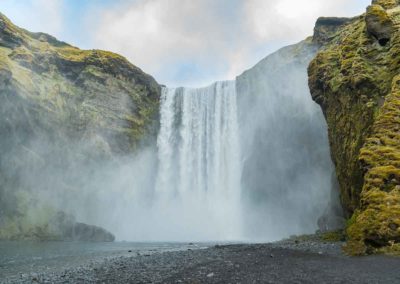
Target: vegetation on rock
pixel 62 111
pixel 355 80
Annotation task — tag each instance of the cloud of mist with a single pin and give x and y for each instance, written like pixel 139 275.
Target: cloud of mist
pixel 178 41
pixel 285 164
pixel 287 171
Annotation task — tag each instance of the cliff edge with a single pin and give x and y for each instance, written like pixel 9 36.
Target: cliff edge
pixel 355 79
pixel 64 113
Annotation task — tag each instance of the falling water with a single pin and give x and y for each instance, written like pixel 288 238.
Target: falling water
pixel 243 160
pixel 199 160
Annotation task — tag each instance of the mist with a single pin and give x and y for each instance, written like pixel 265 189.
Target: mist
pixel 243 160
pixel 287 170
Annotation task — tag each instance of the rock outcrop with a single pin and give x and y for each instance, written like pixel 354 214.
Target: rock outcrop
pixel 326 29
pixel 62 111
pixel 285 144
pixel 355 79
pixel 64 227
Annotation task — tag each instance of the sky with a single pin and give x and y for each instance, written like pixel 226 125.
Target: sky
pixel 180 42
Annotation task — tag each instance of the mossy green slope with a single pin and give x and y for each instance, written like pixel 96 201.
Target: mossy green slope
pixel 355 80
pixel 93 87
pixel 62 111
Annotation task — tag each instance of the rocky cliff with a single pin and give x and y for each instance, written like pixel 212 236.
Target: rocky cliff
pixel 355 78
pixel 285 146
pixel 62 110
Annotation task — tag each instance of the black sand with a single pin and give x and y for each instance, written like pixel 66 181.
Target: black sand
pixel 282 262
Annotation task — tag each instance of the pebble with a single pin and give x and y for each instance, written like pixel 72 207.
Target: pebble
pixel 156 265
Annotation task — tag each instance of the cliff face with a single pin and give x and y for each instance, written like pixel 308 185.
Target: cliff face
pixel 285 145
pixel 62 110
pixel 84 88
pixel 355 79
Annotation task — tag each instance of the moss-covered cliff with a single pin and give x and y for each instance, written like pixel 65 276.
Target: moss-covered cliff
pixel 62 110
pixel 355 79
pixel 94 87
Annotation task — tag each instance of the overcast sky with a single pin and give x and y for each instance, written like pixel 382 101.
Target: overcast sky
pixel 180 42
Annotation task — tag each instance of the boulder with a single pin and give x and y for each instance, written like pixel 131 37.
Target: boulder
pixel 64 227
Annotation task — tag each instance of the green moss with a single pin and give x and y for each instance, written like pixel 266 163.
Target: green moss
pixel 380 13
pixel 350 79
pixel 32 220
pixel 66 81
pixel 387 4
pixel 62 96
pixel 378 221
pixel 335 236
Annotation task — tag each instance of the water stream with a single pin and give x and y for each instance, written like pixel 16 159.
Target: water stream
pixel 198 183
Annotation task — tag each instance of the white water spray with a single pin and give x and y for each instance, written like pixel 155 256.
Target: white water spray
pixel 244 160
pixel 198 183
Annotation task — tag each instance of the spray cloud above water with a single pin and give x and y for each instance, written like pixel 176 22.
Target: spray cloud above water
pixel 244 160
pixel 238 160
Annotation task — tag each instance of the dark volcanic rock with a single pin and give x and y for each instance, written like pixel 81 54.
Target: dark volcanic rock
pixel 308 262
pixel 327 27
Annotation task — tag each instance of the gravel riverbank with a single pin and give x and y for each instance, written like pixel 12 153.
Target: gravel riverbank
pixel 290 261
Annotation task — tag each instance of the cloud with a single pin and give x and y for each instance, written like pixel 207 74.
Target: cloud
pixel 197 41
pixel 294 19
pixel 36 15
pixel 156 34
pixel 180 42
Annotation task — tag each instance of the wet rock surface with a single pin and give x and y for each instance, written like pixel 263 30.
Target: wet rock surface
pixel 290 261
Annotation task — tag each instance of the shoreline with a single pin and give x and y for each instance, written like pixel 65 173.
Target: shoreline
pixel 293 260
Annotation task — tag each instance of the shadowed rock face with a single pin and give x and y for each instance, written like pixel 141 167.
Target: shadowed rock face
pixel 63 111
pixel 355 80
pixel 326 28
pixel 287 170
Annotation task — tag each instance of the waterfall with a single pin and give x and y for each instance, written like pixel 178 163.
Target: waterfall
pixel 198 182
pixel 237 160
